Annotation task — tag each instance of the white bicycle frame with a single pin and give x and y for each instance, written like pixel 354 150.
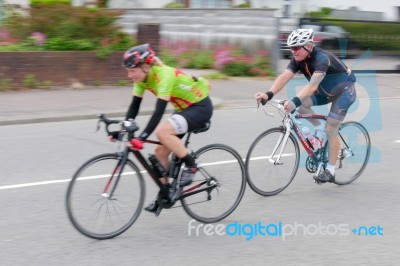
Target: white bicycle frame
pixel 283 138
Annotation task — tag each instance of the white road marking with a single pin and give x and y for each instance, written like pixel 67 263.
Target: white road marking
pixel 42 183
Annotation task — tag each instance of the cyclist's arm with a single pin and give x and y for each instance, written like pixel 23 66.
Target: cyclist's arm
pixel 281 81
pixel 161 105
pixel 312 85
pixel 134 107
pixel 276 87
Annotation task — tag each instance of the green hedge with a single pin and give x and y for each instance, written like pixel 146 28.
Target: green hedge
pixel 36 3
pixel 374 35
pixel 64 27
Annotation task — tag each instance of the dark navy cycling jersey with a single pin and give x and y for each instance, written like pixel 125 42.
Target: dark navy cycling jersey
pixel 337 77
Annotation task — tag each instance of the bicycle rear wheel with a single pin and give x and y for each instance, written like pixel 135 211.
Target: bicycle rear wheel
pixel 354 151
pixel 220 167
pixel 91 209
pixel 265 175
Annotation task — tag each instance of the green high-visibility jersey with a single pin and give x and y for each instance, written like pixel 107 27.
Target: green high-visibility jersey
pixel 165 81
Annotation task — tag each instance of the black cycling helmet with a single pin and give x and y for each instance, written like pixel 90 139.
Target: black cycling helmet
pixel 138 54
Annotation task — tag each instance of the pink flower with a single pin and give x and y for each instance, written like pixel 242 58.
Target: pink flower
pixel 4 34
pixel 39 38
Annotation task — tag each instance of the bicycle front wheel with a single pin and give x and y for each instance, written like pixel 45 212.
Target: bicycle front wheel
pixel 354 151
pixel 221 169
pixel 272 164
pixel 104 199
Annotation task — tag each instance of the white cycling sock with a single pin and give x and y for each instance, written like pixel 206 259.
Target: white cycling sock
pixel 330 168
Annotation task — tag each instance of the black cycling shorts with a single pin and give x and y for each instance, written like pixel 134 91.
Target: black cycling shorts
pixel 194 117
pixel 340 103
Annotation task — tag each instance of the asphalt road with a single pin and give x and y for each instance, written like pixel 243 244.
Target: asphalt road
pixel 37 160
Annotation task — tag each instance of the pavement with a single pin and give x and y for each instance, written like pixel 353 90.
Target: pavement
pixel 66 104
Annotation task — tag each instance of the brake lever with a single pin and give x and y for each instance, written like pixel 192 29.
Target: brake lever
pixel 263 102
pixel 98 126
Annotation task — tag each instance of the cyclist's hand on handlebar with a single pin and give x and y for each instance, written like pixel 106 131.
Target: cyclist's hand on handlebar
pixel 113 135
pixel 137 144
pixel 261 97
pixel 289 106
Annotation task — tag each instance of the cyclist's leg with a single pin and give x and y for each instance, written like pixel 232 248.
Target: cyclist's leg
pixel 192 118
pixel 308 102
pixel 162 154
pixel 331 130
pixel 166 134
pixel 340 105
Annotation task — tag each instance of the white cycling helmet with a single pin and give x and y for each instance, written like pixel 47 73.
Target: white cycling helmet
pixel 300 37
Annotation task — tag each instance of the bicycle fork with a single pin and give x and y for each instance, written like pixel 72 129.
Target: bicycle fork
pixel 283 139
pixel 116 174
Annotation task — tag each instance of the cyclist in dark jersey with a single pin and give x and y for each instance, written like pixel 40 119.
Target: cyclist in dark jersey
pixel 330 81
pixel 189 97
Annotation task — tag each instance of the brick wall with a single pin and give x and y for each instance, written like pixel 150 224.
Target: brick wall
pixel 62 68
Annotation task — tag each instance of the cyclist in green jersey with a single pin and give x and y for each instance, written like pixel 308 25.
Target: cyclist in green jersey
pixel 189 97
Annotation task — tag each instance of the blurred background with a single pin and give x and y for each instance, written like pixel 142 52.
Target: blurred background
pixel 82 40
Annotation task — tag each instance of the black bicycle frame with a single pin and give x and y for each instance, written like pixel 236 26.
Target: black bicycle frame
pixel 177 165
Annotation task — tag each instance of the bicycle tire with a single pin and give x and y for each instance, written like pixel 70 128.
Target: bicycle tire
pixel 355 148
pixel 264 176
pixel 86 200
pixel 225 165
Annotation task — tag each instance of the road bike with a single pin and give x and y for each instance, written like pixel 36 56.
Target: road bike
pixel 273 158
pixel 106 194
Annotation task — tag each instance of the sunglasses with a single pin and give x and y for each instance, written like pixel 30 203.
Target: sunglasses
pixel 295 49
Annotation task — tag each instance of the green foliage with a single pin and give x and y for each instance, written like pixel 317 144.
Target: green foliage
pixel 21 47
pixel 198 59
pixel 65 44
pixel 37 3
pixel 216 75
pixel 174 5
pixel 322 13
pixel 373 35
pixel 46 84
pixel 103 3
pixel 123 82
pixel 69 28
pixel 97 83
pixel 377 36
pixel 30 81
pixel 5 83
pixel 120 42
pixel 237 69
pixel 244 5
pixel 168 57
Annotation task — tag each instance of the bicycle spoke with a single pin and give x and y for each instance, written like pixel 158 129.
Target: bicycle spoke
pixel 272 162
pixel 353 154
pixel 101 215
pixel 221 164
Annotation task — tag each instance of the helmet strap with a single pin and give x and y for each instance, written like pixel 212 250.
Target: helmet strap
pixel 144 71
pixel 308 51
